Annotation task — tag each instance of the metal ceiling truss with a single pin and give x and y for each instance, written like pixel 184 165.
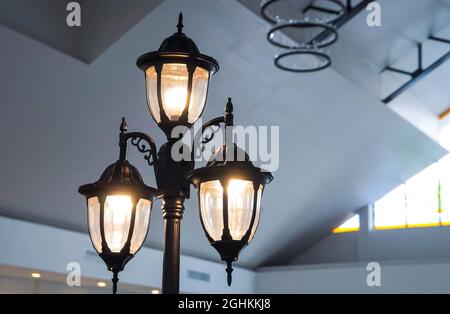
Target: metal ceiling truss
pixel 420 72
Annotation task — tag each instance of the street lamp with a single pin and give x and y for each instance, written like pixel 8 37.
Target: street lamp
pixel 177 78
pixel 119 203
pixel 119 207
pixel 229 192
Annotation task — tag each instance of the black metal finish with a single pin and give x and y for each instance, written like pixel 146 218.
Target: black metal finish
pixel 325 42
pixel 351 12
pixel 323 56
pixel 121 178
pixel 229 162
pixel 178 49
pixel 173 208
pixel 419 73
pixel 312 6
pixel 340 15
pixel 318 8
pixel 115 281
pixel 439 39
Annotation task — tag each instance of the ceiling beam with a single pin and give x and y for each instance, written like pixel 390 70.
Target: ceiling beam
pixel 350 13
pixel 419 73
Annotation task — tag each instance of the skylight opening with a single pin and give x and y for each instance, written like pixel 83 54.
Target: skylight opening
pixel 350 225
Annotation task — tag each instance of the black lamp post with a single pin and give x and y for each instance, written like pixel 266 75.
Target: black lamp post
pixel 119 203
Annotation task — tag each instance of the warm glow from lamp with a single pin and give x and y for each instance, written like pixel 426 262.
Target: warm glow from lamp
pixel 240 206
pixel 155 291
pixel 101 284
pixel 174 89
pixel 35 275
pixel 236 188
pixel 117 220
pixel 175 101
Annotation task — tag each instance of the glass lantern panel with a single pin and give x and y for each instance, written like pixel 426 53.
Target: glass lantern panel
pixel 200 81
pixel 240 207
pixel 117 217
pixel 143 210
pixel 211 204
pixel 174 89
pixel 94 223
pixel 152 93
pixel 258 213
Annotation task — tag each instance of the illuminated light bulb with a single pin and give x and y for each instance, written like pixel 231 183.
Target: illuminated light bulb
pixel 35 275
pixel 101 284
pixel 240 206
pixel 175 101
pixel 117 220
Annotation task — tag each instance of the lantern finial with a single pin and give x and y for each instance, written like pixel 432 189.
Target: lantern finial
pixel 229 271
pixel 115 280
pixel 123 125
pixel 229 113
pixel 180 23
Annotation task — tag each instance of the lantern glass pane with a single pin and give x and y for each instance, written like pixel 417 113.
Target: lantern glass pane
pixel 258 213
pixel 117 217
pixel 240 207
pixel 94 223
pixel 200 81
pixel 174 89
pixel 152 93
pixel 142 219
pixel 211 204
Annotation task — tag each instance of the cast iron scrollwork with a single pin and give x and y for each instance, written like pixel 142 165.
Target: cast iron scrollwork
pixel 143 142
pixel 213 125
pixel 202 138
pixel 144 148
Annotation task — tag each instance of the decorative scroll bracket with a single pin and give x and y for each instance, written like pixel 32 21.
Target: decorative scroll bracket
pixel 143 142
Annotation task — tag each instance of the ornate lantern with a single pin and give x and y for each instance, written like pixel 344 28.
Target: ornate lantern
pixel 177 79
pixel 119 207
pixel 229 188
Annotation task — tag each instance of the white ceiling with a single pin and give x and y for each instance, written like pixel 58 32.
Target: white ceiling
pixel 340 147
pixel 102 23
pixel 404 24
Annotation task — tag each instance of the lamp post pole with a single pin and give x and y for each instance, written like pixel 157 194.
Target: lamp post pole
pixel 172 213
pixel 173 190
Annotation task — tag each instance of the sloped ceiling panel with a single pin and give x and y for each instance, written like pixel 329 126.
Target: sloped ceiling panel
pixel 340 148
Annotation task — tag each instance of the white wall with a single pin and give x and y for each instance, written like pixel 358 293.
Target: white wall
pixel 44 248
pixel 415 260
pixel 431 277
pixel 40 247
pixel 14 285
pixel 379 245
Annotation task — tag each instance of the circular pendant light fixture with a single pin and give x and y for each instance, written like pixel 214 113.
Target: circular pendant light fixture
pixel 277 40
pixel 322 60
pixel 286 31
pixel 331 10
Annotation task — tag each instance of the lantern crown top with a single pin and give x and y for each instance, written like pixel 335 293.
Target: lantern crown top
pixel 226 154
pixel 179 42
pixel 121 172
pixel 117 177
pixel 178 48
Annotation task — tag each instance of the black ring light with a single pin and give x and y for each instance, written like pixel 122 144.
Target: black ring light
pixel 303 24
pixel 303 52
pixel 271 19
